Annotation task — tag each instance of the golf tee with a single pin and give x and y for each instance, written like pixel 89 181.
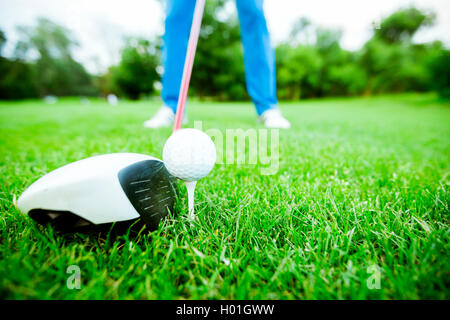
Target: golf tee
pixel 190 186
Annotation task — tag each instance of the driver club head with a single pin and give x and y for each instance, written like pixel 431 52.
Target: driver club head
pixel 113 189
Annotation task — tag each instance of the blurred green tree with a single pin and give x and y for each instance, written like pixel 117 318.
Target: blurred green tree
pixel 393 63
pixel 17 77
pixel 403 24
pixel 136 73
pixel 340 74
pixel 218 68
pixel 298 71
pixel 2 41
pixel 439 66
pixel 302 31
pixel 314 68
pixel 50 46
pixel 311 63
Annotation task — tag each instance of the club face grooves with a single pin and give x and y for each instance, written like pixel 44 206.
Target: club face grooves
pixel 149 187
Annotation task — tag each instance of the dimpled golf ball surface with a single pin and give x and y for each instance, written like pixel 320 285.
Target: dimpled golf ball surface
pixel 189 154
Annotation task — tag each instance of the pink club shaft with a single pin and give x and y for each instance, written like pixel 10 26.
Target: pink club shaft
pixel 189 62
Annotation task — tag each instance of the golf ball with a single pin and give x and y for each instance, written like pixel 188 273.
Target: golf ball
pixel 189 154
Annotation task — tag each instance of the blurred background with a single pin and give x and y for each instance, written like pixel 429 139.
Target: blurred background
pixel 323 48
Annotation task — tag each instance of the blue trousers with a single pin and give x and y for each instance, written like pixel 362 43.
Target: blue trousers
pixel 259 56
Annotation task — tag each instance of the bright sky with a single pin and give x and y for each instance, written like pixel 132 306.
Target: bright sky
pixel 100 24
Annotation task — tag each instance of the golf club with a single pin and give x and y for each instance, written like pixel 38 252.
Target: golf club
pixel 189 62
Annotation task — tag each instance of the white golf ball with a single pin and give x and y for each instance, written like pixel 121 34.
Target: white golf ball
pixel 189 154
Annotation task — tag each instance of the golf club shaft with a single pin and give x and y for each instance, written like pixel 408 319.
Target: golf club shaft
pixel 189 62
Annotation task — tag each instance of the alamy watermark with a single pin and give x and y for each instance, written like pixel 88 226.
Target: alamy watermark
pixel 374 280
pixel 74 280
pixel 246 147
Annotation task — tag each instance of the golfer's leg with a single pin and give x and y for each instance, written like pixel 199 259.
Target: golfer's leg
pixel 179 14
pixel 259 56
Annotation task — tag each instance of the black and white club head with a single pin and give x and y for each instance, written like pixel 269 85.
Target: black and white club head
pixel 115 188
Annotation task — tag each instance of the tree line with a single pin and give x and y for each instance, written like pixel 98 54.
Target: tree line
pixel 310 63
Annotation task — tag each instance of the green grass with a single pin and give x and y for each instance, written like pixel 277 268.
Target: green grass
pixel 362 182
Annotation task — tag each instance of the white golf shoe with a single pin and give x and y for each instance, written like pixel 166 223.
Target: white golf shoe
pixel 273 118
pixel 164 117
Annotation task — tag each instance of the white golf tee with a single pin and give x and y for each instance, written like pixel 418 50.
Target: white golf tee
pixel 190 186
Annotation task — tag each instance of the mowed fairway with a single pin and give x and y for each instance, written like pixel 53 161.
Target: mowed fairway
pixel 362 187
